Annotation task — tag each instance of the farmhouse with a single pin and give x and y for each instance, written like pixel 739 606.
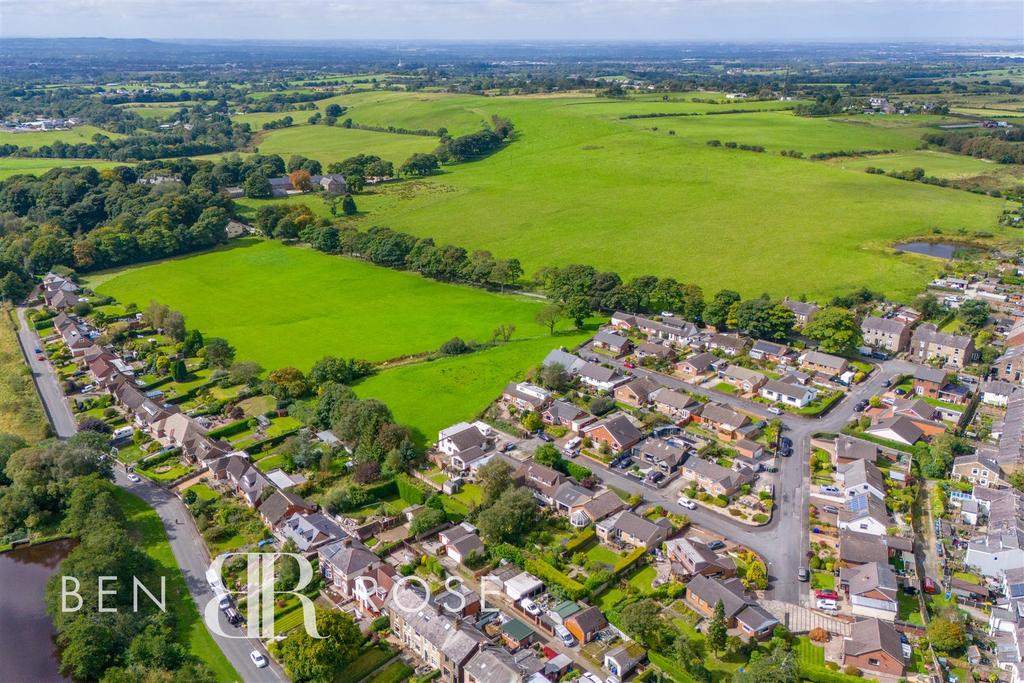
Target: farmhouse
pixel 790 391
pixel 928 343
pixel 674 404
pixel 617 432
pixel 874 646
pixel 823 363
pixel 801 309
pixel 741 611
pixel 889 334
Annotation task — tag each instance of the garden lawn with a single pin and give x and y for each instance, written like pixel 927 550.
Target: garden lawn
pixel 643 578
pixel 257 405
pixel 290 306
pixel 909 609
pixel 598 552
pixel 609 598
pixel 21 413
pixel 203 492
pixel 433 395
pixel 190 631
pixel 823 581
pixel 809 653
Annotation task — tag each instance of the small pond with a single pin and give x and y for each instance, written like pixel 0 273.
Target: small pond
pixel 943 250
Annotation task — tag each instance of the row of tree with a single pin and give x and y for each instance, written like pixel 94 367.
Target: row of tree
pixel 1005 145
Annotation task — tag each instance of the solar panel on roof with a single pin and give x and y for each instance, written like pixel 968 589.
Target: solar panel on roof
pixel 857 504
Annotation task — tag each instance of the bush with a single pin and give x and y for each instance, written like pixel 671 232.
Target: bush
pixel 628 561
pixel 574 590
pixel 818 635
pixel 454 347
pixel 852 671
pixel 577 472
pixel 579 541
pixel 601 405
pixel 381 623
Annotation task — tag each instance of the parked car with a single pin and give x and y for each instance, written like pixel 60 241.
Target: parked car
pixel 775 410
pixel 786 442
pixel 258 659
pixel 938 548
pixel 716 545
pixel 624 462
pixel 833 490
pixel 544 436
pixel 771 468
pixel 233 617
pixel 590 678
pixel 655 477
pixel 831 509
pixel 929 586
pixel 629 365
pixel 224 602
pixel 564 635
pixel 899 391
pixel 687 503
pixel 508 447
pixel 785 452
pixel 826 595
pixel 530 607
pixel 802 575
pixel 133 478
pixel 827 604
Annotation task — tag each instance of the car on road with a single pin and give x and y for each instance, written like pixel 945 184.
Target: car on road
pixel 827 604
pixel 591 678
pixel 40 357
pixel 785 452
pixel 826 595
pixel 545 437
pixel 566 637
pixel 775 410
pixel 786 442
pixel 887 383
pixel 687 503
pixel 716 545
pixel 530 607
pixel 801 574
pixel 629 365
pixel 38 350
pixel 133 478
pixel 258 659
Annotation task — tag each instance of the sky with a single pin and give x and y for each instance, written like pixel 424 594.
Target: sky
pixel 717 20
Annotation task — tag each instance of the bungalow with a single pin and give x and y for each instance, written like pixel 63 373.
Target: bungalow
pixel 569 362
pixel 669 328
pixel 655 351
pixel 713 478
pixel 614 343
pixel 862 476
pixel 674 404
pixel 899 429
pixel 569 495
pixel 525 396
pixel 594 510
pixel 789 391
pixel 949 349
pixel 929 381
pixel 980 471
pixel 874 646
pixel 729 344
pixel 636 392
pixel 823 363
pixel 723 420
pixel 622 659
pixel 751 450
pixel 617 432
pixel 770 352
pixel 689 558
pixel 628 528
pixel 565 414
pixel 742 378
pixel 461 437
pixel 516 635
pixel 885 333
pixel 543 480
pixel 997 392
pixel 585 625
pixel 600 377
pixel 310 531
pixel 802 310
pixel 665 457
pixel 699 365
pixel 856 548
pixel 741 611
pixel 872 589
pixel 865 514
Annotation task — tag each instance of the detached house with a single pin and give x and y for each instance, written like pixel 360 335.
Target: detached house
pixel 824 363
pixel 889 334
pixel 541 479
pixel 656 351
pixel 462 437
pixel 928 343
pixel 611 342
pixel 729 344
pixel 600 377
pixel 874 646
pixel 569 362
pixel 872 589
pixel 565 414
pixel 742 378
pixel 980 471
pixel 790 391
pixel 866 514
pixel 862 477
pixel 525 396
pixel 280 505
pixel 592 511
pixel 929 381
pixel 802 310
pixel 848 449
pixel 636 392
pixel 741 611
pixel 674 405
pixel 628 528
pixel 617 432
pixel 310 531
pixel 665 457
pixel 689 558
pixel 713 478
pixel 699 365
pixel 770 351
pixel 899 429
pixel 585 624
pixel 343 561
pixel 723 420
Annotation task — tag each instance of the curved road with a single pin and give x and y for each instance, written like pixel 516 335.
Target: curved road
pixel 187 545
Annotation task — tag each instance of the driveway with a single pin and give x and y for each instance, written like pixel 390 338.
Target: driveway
pixel 45 378
pixel 192 558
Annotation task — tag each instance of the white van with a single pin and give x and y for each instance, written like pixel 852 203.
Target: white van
pixel 122 433
pixel 572 445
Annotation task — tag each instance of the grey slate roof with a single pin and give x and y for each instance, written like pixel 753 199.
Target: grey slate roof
pixel 871 635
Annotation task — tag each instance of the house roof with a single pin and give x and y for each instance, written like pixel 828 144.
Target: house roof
pixel 348 556
pixel 516 630
pixel 714 472
pixel 756 617
pixel 674 399
pixel 901 426
pixel 602 505
pixel 871 635
pixel 589 620
pixel 728 341
pixel 641 386
pixel 789 389
pixel 864 506
pixel 662 451
pixel 720 414
pixel 696 556
pixel 636 526
pixel 276 506
pixel 701 362
pixel 469 543
pixel 860 472
pixel 871 577
pixel 467 438
pixel 998 387
pixel 884 325
pixel 571 362
pixel 801 308
pixel 309 529
pixel 493 664
pixel 731 593
pixel 929 334
pixel 563 410
pixel 924 373
pixel 652 349
pixel 628 655
pixel 848 448
pixel 860 548
pixel 824 360
pixel 769 348
pixel 599 373
pixel 742 374
pixel 457 641
pixel 540 477
pixel 570 494
pixel 610 339
pixel 620 429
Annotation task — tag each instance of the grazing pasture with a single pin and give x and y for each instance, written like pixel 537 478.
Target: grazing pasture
pixel 334 143
pixel 290 306
pixel 38 138
pixel 940 165
pixel 648 196
pixel 37 166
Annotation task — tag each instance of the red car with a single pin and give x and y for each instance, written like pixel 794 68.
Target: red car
pixel 629 365
pixel 826 595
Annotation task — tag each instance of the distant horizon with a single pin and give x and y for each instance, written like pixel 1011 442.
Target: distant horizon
pixel 846 21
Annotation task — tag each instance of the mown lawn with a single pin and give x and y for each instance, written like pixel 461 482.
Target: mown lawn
pixel 304 305
pixel 190 630
pixel 823 581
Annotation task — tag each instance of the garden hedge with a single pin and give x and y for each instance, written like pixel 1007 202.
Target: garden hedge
pixel 574 590
pixel 579 541
pixel 410 490
pixel 229 429
pixel 628 561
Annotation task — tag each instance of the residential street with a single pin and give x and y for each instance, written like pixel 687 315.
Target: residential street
pixel 46 381
pixel 190 554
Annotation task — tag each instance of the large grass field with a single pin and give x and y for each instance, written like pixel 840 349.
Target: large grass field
pixel 333 143
pixel 190 631
pixel 290 306
pixel 582 184
pixel 940 165
pixel 38 138
pixel 21 413
pixel 430 396
pixel 15 166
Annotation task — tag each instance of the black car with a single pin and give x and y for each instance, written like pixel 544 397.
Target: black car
pixel 786 442
pixel 785 452
pixel 624 462
pixel 543 436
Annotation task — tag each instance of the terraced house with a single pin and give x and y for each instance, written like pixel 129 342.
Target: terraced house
pixel 889 334
pixel 929 344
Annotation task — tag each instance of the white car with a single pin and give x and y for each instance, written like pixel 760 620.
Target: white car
pixel 775 410
pixel 134 478
pixel 687 503
pixel 567 638
pixel 824 603
pixel 258 659
pixel 530 606
pixel 591 678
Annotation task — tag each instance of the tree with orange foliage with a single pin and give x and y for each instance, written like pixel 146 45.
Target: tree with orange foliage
pixel 301 180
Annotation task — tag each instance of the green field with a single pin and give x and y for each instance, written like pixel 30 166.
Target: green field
pixel 14 166
pixel 189 627
pixel 290 306
pixel 938 164
pixel 431 396
pixel 581 184
pixel 333 143
pixel 38 138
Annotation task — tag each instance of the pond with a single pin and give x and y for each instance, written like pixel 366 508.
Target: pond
pixel 943 250
pixel 29 652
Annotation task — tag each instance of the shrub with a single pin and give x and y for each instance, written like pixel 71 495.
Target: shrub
pixel 628 561
pixel 852 671
pixel 574 590
pixel 818 635
pixel 601 405
pixel 579 541
pixel 577 472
